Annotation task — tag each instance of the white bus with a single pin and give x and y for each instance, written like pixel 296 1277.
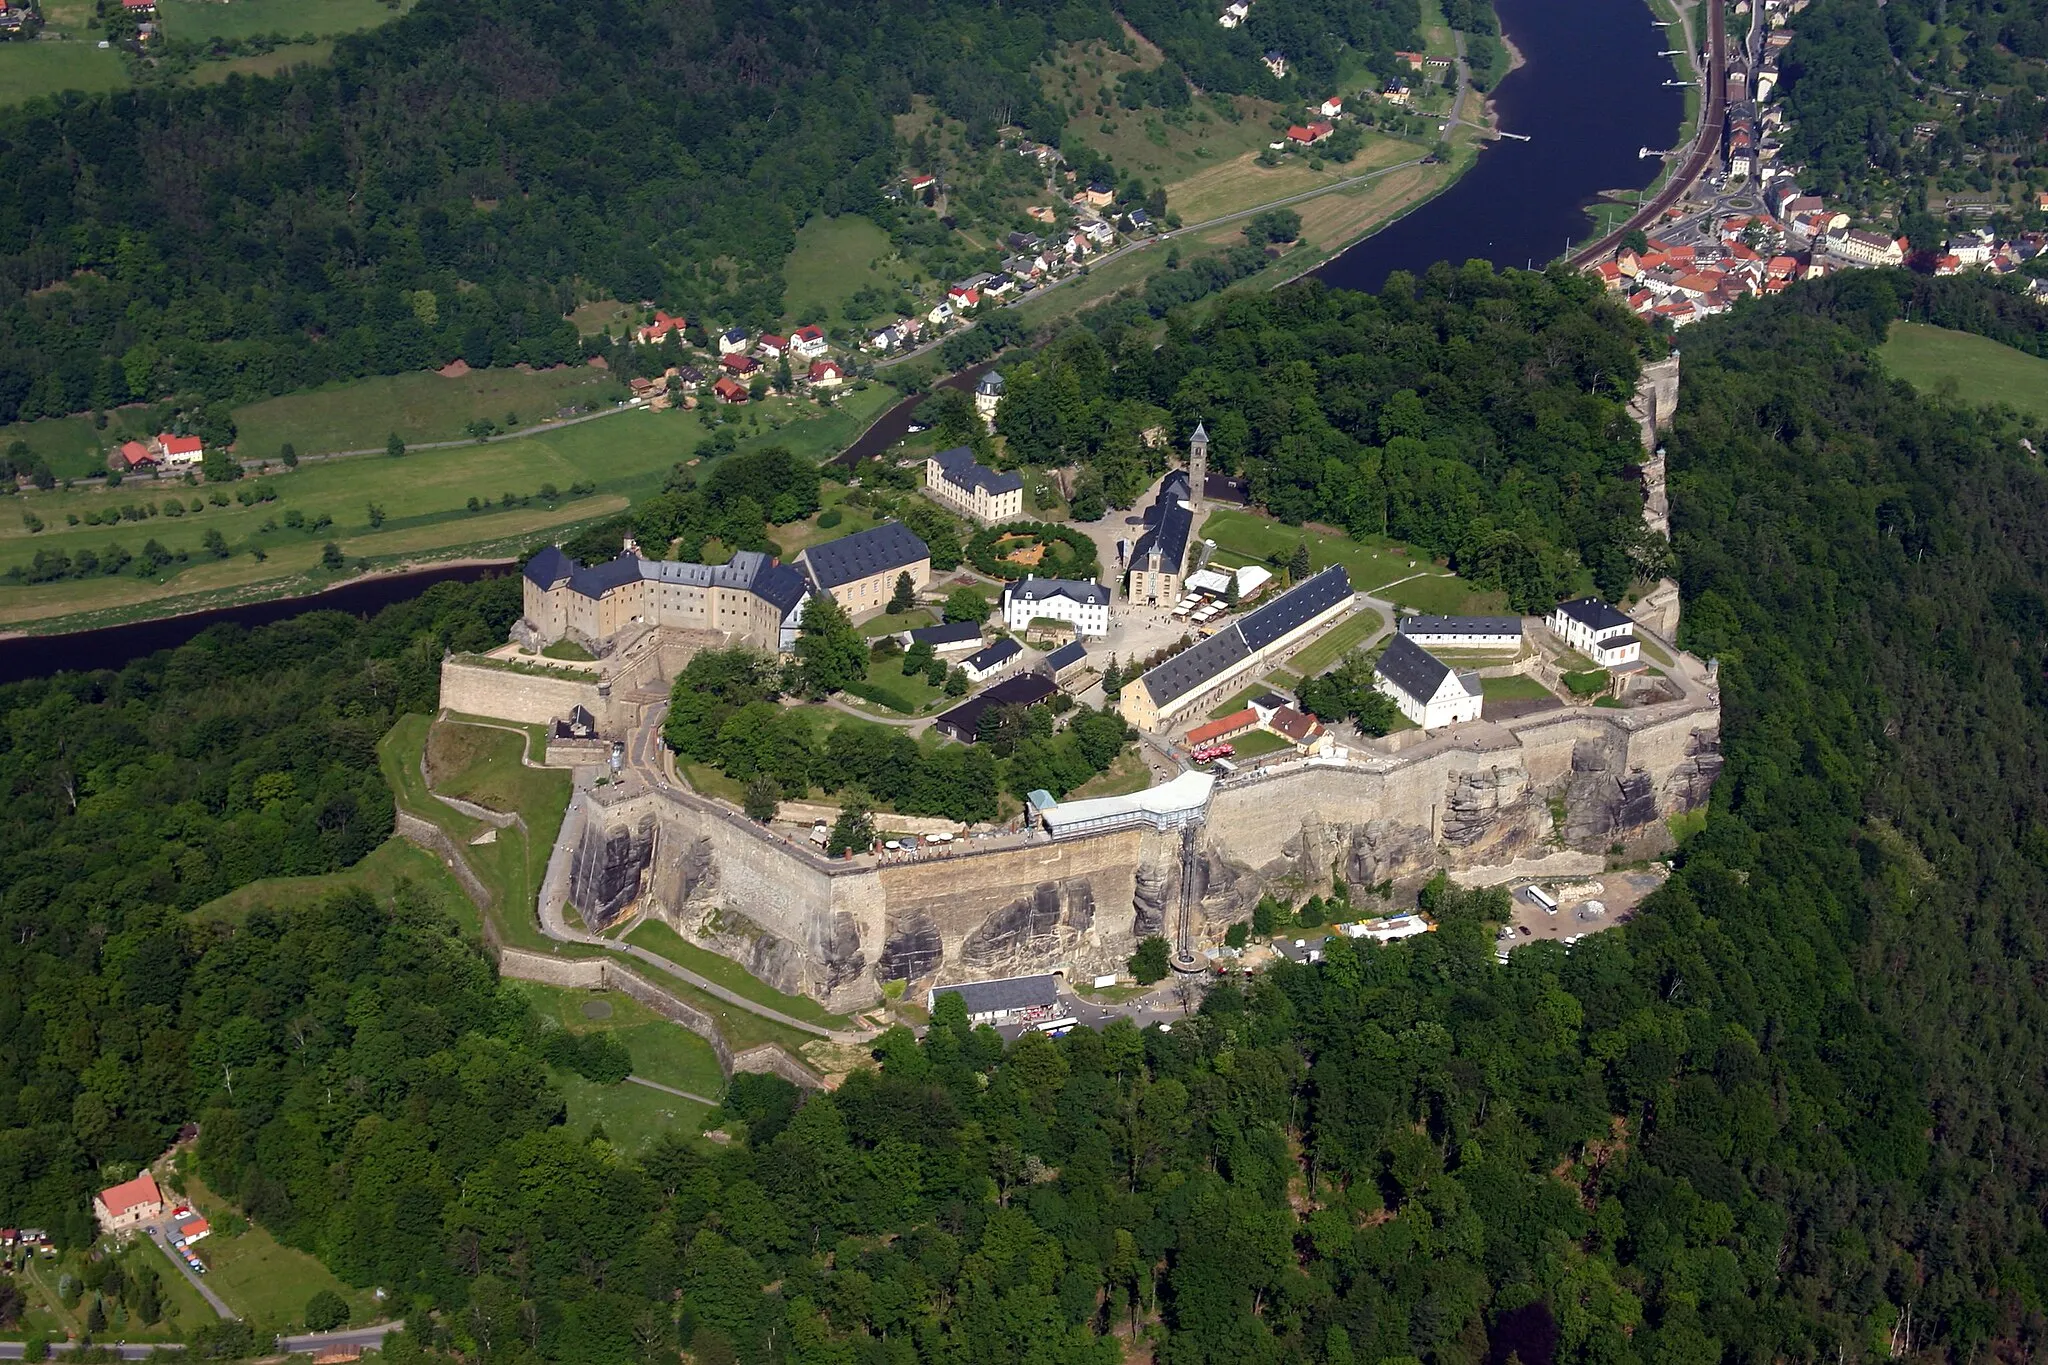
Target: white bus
pixel 1057 1028
pixel 1538 896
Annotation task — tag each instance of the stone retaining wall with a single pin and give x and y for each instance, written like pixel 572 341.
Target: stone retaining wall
pixel 435 840
pixel 479 690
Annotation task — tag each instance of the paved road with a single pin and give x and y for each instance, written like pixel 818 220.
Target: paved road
pixel 364 1337
pixel 1705 139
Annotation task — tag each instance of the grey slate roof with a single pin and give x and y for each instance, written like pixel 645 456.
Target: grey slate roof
pixel 1593 614
pixel 1001 651
pixel 1066 656
pixel 963 722
pixel 1188 670
pixel 864 554
pixel 1412 668
pixel 951 633
pixel 1168 523
pixel 991 385
pixel 1045 589
pixel 748 570
pixel 1011 993
pixel 1304 601
pixel 1461 625
pixel 964 471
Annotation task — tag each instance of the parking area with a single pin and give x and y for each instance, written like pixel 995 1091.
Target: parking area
pixel 1585 906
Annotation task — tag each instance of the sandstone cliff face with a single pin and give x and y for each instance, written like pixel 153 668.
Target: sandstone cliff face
pixel 838 933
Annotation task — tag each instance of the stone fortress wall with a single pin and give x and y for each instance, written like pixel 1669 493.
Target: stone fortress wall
pixel 836 931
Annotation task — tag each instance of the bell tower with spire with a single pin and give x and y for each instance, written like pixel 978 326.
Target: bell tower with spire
pixel 1198 469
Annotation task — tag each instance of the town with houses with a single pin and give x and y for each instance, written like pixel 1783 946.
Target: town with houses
pixel 1701 261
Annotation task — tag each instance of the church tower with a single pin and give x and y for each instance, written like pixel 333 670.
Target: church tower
pixel 1198 468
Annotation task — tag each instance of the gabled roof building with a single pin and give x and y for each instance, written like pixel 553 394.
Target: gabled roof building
pixel 751 598
pixel 1597 631
pixel 1426 689
pixel 956 480
pixel 860 570
pixel 1085 606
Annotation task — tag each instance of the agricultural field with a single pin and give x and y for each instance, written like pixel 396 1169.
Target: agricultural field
pixel 199 21
pixel 420 406
pixel 1972 369
pixel 1242 183
pixel 50 65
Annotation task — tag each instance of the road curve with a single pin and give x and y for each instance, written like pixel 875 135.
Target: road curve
pixel 1713 109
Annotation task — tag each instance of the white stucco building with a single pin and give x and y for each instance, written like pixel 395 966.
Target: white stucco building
pixel 1429 692
pixel 1084 605
pixel 1597 631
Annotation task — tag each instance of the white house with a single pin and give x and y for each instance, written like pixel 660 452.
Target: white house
pixel 809 342
pixel 735 342
pixel 1864 248
pixel 1000 657
pixel 1084 605
pixel 988 395
pixel 1428 691
pixel 1464 632
pixel 177 452
pixel 1332 107
pixel 1597 631
pixel 1234 14
pixel 940 315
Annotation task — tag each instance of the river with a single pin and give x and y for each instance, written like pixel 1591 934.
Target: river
pixel 1589 93
pixel 35 656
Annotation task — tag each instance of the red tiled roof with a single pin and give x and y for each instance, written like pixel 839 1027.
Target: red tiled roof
pixel 821 369
pixel 730 390
pixel 1228 725
pixel 810 333
pixel 740 364
pixel 136 454
pixel 1294 725
pixel 131 1194
pixel 770 339
pixel 179 445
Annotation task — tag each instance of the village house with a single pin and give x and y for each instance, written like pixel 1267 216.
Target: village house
pixel 809 342
pixel 993 661
pixel 1427 690
pixel 825 374
pixel 941 314
pixel 1096 196
pixel 1332 107
pixel 1234 14
pixel 653 333
pixel 1396 91
pixel 133 455
pixel 769 346
pixel 1597 631
pixel 1309 136
pixel 1276 62
pixel 729 390
pixel 738 364
pixel 734 342
pixel 128 1204
pixel 988 396
pixel 177 452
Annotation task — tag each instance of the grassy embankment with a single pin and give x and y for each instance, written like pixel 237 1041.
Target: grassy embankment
pixel 1378 566
pixel 422 498
pixel 1971 369
pixel 659 938
pixel 662 1052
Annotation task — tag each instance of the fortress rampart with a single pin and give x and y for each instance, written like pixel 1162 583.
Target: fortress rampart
pixel 1581 778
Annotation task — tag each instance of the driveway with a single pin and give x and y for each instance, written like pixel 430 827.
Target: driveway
pixel 157 1234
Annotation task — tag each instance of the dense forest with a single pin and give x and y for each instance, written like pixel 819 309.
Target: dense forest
pixel 1478 414
pixel 1886 100
pixel 1792 1112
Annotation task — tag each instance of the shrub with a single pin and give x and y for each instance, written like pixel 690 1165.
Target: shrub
pixel 1149 963
pixel 325 1311
pixel 1590 683
pixel 830 517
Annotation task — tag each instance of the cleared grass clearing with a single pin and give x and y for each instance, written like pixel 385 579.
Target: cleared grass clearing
pixel 269 63
pixel 1336 642
pixel 833 258
pixel 204 20
pixel 1980 371
pixel 264 1281
pixel 392 863
pixel 49 67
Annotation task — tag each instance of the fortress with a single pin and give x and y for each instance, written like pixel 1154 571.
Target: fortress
pixel 1580 779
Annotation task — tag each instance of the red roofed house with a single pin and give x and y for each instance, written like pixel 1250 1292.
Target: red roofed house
pixel 1698 284
pixel 1296 727
pixel 809 342
pixel 1310 135
pixel 139 6
pixel 1948 264
pixel 1332 107
pixel 1229 726
pixel 129 1203
pixel 193 1227
pixel 178 451
pixel 962 297
pixel 654 331
pixel 1610 274
pixel 739 364
pixel 771 345
pixel 135 455
pixel 1414 59
pixel 730 390
pixel 826 374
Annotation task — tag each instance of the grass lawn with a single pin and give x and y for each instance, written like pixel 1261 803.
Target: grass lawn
pixel 658 937
pixel 267 1283
pixel 742 1028
pixel 1237 703
pixel 835 257
pixel 710 781
pixel 201 20
pixel 511 866
pixel 1336 642
pixel 387 866
pixel 1515 688
pixel 1259 743
pixel 568 651
pixel 420 405
pixel 1650 648
pixel 1249 538
pixel 486 765
pixel 47 66
pixel 1126 775
pixel 632 1116
pixel 1446 595
pixel 600 315
pixel 1982 371
pixel 184 1309
pixel 890 623
pixel 662 1049
pixel 887 685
